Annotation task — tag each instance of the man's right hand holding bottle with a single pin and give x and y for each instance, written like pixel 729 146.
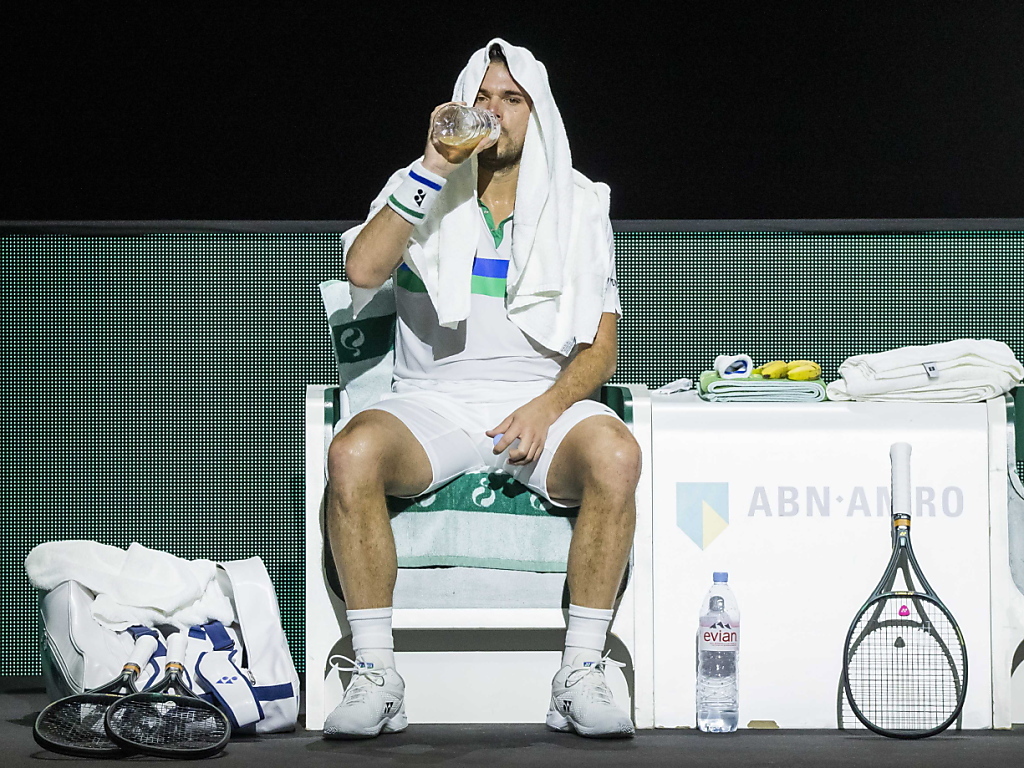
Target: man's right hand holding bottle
pixel 441 157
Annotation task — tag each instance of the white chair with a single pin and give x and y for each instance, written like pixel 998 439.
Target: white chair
pixel 459 629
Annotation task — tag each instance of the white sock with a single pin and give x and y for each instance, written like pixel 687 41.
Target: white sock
pixel 372 639
pixel 586 634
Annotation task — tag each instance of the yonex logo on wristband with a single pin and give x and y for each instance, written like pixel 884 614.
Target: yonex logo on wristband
pixel 416 195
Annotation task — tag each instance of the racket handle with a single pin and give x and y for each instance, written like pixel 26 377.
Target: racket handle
pixel 143 652
pixel 176 645
pixel 899 455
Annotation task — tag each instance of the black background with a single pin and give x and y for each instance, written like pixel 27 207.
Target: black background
pixel 709 110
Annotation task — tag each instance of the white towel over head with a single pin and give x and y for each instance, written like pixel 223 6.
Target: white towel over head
pixel 562 259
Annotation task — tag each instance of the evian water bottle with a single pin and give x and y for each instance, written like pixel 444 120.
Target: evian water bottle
pixel 718 646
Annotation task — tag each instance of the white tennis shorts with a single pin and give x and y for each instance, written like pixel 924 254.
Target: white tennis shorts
pixel 452 426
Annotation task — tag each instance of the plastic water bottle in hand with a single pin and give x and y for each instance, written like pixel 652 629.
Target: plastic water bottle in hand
pixel 718 645
pixel 459 126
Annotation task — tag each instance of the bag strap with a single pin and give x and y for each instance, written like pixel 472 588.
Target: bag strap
pixel 213 631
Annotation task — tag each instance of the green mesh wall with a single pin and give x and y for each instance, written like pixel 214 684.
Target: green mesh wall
pixel 155 382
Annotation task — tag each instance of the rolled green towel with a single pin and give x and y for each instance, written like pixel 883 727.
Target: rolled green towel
pixel 757 389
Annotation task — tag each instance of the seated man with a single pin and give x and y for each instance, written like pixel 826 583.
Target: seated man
pixel 506 327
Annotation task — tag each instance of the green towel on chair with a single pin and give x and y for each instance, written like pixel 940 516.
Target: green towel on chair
pixel 482 520
pixel 757 389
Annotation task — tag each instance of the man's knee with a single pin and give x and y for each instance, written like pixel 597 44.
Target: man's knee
pixel 376 453
pixel 355 456
pixel 612 460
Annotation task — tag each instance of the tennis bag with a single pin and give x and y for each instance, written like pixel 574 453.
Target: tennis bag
pixel 246 668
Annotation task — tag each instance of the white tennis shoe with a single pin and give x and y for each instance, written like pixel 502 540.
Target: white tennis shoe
pixel 374 703
pixel 582 702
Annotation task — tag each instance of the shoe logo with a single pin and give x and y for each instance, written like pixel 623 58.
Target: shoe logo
pixel 566 705
pixel 366 665
pixel 227 680
pixel 419 196
pixel 387 707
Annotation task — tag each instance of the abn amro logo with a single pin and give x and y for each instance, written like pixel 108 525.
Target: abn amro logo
pixel 702 510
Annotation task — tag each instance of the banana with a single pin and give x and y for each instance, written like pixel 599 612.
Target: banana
pixel 803 370
pixel 776 369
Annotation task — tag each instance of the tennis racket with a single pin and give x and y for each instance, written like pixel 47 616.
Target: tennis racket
pixel 905 662
pixel 74 725
pixel 168 719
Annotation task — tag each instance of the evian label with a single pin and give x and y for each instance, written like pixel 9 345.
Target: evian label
pixel 720 636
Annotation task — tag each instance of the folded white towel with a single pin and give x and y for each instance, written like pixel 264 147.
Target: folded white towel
pixel 960 371
pixel 562 260
pixel 140 586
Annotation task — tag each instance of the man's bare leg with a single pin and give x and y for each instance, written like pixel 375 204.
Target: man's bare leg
pixel 375 454
pixel 598 463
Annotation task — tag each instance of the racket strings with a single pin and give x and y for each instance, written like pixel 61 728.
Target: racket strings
pixel 906 672
pixel 76 723
pixel 168 723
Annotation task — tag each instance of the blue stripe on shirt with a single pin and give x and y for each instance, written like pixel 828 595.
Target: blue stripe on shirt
pixel 490 267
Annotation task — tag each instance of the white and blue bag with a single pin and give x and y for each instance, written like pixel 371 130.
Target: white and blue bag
pixel 246 668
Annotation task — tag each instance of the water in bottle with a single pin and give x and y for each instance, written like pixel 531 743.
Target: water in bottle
pixel 459 126
pixel 718 644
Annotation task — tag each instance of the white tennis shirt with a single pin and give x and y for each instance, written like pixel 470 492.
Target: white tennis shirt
pixel 486 346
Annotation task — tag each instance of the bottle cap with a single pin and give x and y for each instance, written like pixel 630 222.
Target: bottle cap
pixel 721 576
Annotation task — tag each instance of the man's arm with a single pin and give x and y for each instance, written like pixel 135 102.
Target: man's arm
pixel 593 365
pixel 378 248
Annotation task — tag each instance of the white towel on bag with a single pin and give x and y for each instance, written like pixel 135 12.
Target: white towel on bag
pixel 562 260
pixel 141 586
pixel 962 371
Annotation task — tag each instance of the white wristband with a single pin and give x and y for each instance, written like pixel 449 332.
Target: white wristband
pixel 416 195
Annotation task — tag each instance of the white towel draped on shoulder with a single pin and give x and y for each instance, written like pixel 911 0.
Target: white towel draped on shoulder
pixel 960 371
pixel 562 257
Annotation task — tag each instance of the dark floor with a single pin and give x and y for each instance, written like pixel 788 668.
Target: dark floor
pixel 492 746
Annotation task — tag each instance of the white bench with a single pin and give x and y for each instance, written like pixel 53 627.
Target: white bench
pixel 799 500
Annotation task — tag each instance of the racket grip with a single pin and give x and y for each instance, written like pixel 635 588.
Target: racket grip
pixel 176 645
pixel 899 455
pixel 143 652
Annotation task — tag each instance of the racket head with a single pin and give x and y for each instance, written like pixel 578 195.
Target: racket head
pixel 168 719
pixel 75 726
pixel 905 666
pixel 167 725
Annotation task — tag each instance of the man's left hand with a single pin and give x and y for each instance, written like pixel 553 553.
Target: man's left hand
pixel 530 424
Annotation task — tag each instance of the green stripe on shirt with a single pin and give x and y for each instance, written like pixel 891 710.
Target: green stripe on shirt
pixel 489 286
pixel 483 286
pixel 408 280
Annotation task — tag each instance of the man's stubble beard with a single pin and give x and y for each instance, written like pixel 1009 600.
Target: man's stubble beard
pixel 493 159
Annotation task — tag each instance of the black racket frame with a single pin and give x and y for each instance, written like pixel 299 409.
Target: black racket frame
pixel 106 694
pixel 903 559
